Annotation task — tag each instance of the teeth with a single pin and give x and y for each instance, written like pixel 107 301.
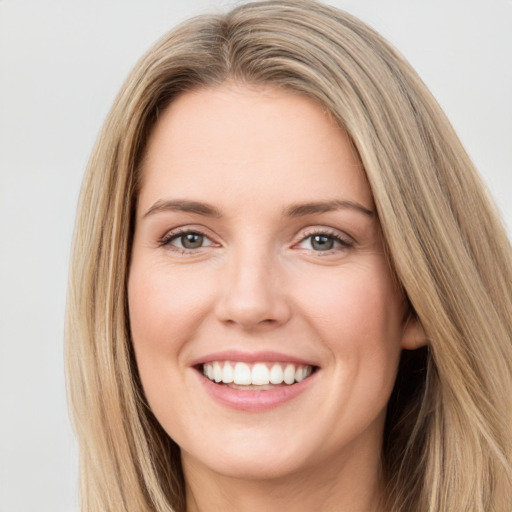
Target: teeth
pixel 259 374
pixel 276 374
pixel 302 372
pixel 227 374
pixel 289 374
pixel 217 372
pixel 242 374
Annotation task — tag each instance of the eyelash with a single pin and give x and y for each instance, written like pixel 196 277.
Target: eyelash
pixel 168 238
pixel 345 243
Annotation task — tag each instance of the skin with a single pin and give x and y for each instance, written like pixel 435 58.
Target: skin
pixel 258 282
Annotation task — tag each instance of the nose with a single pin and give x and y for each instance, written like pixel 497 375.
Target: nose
pixel 252 293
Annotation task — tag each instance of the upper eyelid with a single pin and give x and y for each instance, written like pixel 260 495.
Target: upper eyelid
pixel 173 234
pixel 179 230
pixel 344 244
pixel 323 230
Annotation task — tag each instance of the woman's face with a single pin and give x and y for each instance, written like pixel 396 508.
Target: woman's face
pixel 257 260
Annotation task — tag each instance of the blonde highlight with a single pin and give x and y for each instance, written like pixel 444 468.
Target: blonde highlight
pixel 451 408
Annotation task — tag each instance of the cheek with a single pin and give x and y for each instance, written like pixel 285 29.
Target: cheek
pixel 165 307
pixel 357 314
pixel 357 301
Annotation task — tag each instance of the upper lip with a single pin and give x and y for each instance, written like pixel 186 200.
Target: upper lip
pixel 251 357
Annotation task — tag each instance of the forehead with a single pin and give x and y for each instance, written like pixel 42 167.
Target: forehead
pixel 237 141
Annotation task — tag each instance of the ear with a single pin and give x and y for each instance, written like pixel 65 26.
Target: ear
pixel 413 335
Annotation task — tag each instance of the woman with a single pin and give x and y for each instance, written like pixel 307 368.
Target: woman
pixel 289 288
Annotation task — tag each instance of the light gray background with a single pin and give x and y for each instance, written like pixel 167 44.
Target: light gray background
pixel 61 64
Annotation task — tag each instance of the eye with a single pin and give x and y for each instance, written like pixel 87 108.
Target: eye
pixel 324 242
pixel 187 240
pixel 321 242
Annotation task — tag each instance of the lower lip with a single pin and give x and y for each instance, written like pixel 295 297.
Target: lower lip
pixel 254 400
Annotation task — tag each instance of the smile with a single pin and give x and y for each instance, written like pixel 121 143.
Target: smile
pixel 257 381
pixel 260 375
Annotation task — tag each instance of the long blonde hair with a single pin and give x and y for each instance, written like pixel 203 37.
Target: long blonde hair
pixel 448 438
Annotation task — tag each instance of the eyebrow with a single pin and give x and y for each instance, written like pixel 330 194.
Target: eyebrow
pixel 181 205
pixel 302 209
pixel 295 210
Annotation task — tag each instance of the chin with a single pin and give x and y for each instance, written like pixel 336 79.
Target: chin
pixel 250 461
